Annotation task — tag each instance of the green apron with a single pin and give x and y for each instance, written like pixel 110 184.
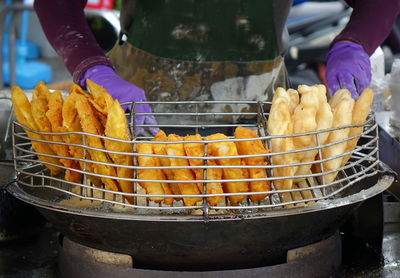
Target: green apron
pixel 203 49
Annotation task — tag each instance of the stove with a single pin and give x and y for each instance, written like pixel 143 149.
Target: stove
pixel 47 254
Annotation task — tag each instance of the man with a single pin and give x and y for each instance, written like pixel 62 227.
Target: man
pixel 206 49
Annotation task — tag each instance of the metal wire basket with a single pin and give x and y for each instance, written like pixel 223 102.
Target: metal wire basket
pixel 204 117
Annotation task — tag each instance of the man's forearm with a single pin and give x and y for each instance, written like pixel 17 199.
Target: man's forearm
pixel 370 23
pixel 65 26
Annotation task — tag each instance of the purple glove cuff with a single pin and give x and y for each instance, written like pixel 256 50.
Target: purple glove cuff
pixel 86 65
pixel 94 70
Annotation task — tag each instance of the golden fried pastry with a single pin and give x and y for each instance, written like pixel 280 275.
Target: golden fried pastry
pixel 54 115
pixel 101 100
pixel 250 148
pixel 229 149
pixel 361 110
pixel 342 115
pixel 71 123
pixel 151 174
pixel 305 120
pixel 90 124
pixel 23 114
pixel 159 149
pixel 117 127
pixel 189 188
pixel 197 149
pixel 294 99
pixel 280 123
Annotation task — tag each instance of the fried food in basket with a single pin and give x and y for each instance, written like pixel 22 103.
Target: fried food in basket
pixel 197 149
pixel 54 115
pixel 250 148
pixel 151 174
pixel 305 120
pixel 189 188
pixel 23 114
pixel 342 108
pixel 280 123
pixel 361 110
pixel 90 124
pixel 159 149
pixel 71 123
pixel 229 149
pixel 117 127
pixel 101 100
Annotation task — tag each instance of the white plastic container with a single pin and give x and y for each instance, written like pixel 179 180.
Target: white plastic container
pixel 394 87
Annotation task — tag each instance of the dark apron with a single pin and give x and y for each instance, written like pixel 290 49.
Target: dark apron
pixel 202 49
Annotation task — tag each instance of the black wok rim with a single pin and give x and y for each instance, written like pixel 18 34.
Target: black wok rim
pixel 382 184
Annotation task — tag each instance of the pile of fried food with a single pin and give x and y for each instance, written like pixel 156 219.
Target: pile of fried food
pixel 293 111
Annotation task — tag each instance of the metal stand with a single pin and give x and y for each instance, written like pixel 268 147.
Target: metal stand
pixel 321 259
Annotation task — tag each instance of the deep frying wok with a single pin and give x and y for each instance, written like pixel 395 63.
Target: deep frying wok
pixel 222 242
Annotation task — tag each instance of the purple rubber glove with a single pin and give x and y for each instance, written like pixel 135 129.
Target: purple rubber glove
pixel 123 91
pixel 348 67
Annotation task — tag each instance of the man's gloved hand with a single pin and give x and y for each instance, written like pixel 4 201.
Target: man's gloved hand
pixel 348 67
pixel 123 91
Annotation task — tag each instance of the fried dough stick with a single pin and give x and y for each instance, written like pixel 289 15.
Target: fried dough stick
pixel 101 100
pixel 280 123
pixel 90 124
pixel 54 115
pixel 182 174
pixel 361 110
pixel 23 114
pixel 71 124
pixel 248 148
pixel 160 150
pixel 305 120
pixel 155 188
pixel 229 149
pixel 342 115
pixel 197 149
pixel 117 127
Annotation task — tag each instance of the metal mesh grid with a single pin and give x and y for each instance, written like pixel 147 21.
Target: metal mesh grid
pixel 193 119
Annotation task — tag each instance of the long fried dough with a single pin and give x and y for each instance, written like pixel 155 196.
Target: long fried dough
pixel 229 149
pixel 182 174
pixel 342 115
pixel 150 174
pixel 361 110
pixel 71 123
pixel 305 120
pixel 160 150
pixel 101 100
pixel 117 127
pixel 197 149
pixel 280 123
pixel 54 115
pixel 249 148
pixel 89 124
pixel 23 114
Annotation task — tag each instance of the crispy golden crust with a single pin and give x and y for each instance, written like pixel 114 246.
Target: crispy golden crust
pixel 151 174
pixel 159 149
pixel 249 148
pixel 361 110
pixel 23 114
pixel 280 123
pixel 229 149
pixel 342 115
pixel 182 174
pixel 54 115
pixel 197 149
pixel 90 124
pixel 117 127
